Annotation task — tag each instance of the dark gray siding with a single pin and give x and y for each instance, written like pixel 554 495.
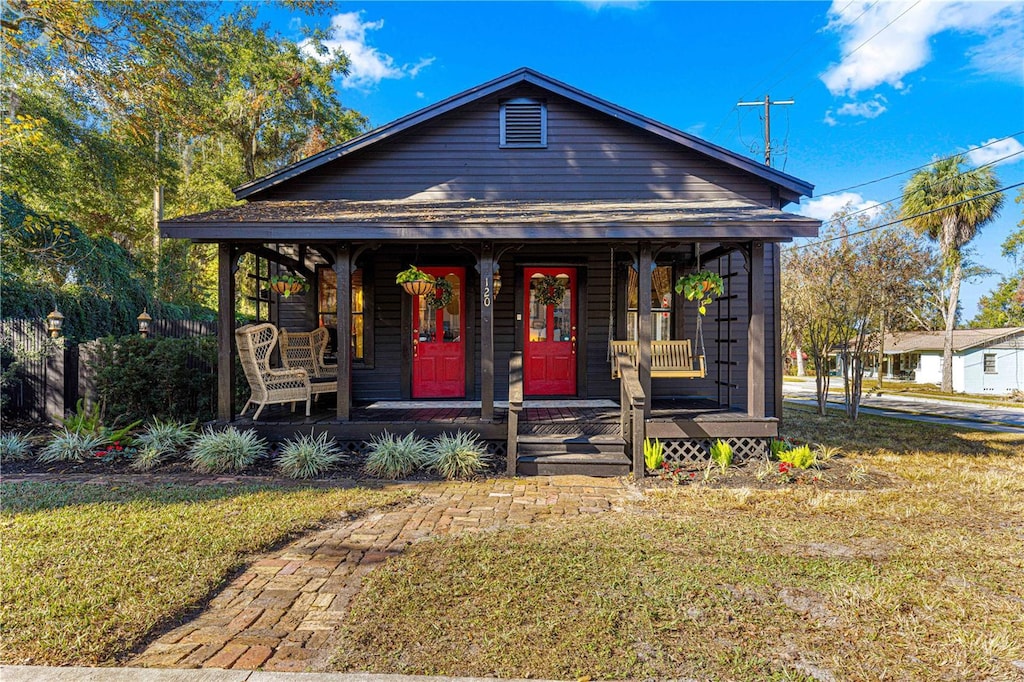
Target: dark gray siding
pixel 589 156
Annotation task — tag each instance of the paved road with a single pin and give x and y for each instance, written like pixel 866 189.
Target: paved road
pixel 982 417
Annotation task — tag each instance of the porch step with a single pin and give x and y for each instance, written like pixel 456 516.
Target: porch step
pixel 555 454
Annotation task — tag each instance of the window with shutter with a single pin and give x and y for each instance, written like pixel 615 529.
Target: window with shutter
pixel 524 123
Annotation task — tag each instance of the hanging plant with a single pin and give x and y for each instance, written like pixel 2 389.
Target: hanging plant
pixel 442 294
pixel 703 286
pixel 286 285
pixel 549 290
pixel 415 281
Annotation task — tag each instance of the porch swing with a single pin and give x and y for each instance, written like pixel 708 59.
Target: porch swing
pixel 669 359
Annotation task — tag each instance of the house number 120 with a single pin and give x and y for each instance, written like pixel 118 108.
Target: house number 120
pixel 487 295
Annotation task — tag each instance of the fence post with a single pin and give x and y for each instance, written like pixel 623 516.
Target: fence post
pixel 54 387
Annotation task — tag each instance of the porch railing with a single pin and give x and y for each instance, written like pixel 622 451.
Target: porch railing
pixel 631 416
pixel 515 406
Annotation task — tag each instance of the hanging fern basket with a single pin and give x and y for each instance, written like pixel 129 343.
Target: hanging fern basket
pixel 286 285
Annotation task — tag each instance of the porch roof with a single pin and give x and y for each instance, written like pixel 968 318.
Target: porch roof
pixel 390 220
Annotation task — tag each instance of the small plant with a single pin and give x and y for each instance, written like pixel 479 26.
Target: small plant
pixel 458 456
pixel 15 447
pixel 701 286
pixel 654 453
pixel 675 475
pixel 72 446
pixel 309 456
pixel 779 446
pixel 393 457
pixel 721 454
pixel 228 450
pixel 412 274
pixel 799 457
pixel 287 284
pixel 87 420
pixel 824 453
pixel 158 440
pixel 857 475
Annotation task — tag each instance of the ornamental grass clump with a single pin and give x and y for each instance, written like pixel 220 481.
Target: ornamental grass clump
pixel 309 456
pixel 15 447
pixel 799 457
pixel 160 440
pixel 457 456
pixel 393 457
pixel 72 446
pixel 228 450
pixel 721 455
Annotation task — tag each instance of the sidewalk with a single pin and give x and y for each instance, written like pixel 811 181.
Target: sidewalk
pixel 38 674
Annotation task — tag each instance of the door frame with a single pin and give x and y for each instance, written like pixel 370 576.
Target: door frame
pixel 582 329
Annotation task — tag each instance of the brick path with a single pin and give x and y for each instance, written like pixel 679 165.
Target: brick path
pixel 280 614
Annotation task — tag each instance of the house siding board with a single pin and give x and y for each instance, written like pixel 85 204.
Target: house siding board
pixel 588 156
pixel 1009 374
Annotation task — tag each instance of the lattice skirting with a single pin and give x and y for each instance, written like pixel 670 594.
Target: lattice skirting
pixel 697 451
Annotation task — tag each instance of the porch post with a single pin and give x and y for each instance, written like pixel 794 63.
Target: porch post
pixel 225 332
pixel 643 313
pixel 343 273
pixel 755 331
pixel 487 332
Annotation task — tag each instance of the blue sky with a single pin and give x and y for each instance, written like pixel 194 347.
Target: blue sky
pixel 880 87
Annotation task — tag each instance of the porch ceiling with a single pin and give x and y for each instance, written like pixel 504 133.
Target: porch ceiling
pixel 291 221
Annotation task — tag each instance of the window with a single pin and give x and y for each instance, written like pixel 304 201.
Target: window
pixel 990 363
pixel 661 304
pixel 524 123
pixel 327 309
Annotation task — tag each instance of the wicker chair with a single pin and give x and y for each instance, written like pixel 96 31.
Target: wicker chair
pixel 268 386
pixel 306 350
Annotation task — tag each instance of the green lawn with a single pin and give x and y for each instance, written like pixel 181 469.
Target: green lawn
pixel 90 570
pixel 920 581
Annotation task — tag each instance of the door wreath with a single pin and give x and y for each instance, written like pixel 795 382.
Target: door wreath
pixel 441 296
pixel 549 290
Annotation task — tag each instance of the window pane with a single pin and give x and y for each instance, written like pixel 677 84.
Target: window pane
pixel 327 307
pixel 661 304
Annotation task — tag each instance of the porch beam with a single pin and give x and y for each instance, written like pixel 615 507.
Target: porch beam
pixel 643 312
pixel 755 330
pixel 487 332
pixel 226 265
pixel 343 276
pixel 281 259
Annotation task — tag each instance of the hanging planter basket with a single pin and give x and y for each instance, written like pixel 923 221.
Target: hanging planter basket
pixel 286 285
pixel 418 287
pixel 704 287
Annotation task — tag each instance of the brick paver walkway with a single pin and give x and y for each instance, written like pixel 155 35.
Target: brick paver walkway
pixel 281 612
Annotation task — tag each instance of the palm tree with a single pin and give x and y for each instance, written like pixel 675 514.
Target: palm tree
pixel 950 206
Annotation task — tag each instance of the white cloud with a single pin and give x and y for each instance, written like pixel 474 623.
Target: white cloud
pixel 829 119
pixel 368 65
pixel 995 151
pixel 871 109
pixel 882 42
pixel 823 208
pixel 598 5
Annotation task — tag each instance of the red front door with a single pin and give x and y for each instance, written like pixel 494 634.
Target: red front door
pixel 438 339
pixel 549 334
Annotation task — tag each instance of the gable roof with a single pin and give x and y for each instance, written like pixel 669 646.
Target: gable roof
pixel 963 339
pixel 792 185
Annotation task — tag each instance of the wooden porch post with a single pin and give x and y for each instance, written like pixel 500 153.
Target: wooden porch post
pixel 643 313
pixel 226 264
pixel 755 331
pixel 343 273
pixel 487 332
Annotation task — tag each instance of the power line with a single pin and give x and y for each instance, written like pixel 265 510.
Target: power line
pixel 930 163
pixel 904 219
pixel 768 104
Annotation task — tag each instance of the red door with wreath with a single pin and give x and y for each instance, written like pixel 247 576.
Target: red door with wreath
pixel 549 334
pixel 438 337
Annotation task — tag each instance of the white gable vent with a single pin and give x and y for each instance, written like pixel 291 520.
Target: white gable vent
pixel 524 123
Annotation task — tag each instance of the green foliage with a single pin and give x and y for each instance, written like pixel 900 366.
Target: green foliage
pixel 393 457
pixel 801 457
pixel 309 456
pixel 173 379
pixel 159 440
pixel 457 456
pixel 778 446
pixel 412 274
pixel 703 286
pixel 824 453
pixel 1003 306
pixel 721 454
pixel 87 420
pixel 15 447
pixel 72 446
pixel 228 450
pixel 654 454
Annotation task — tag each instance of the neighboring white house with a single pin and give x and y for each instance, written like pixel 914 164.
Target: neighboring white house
pixel 984 360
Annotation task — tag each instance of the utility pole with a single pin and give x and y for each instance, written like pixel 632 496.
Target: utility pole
pixel 767 104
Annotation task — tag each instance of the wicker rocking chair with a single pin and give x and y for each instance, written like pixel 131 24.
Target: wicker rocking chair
pixel 268 386
pixel 306 350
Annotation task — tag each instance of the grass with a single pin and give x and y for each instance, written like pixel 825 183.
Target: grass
pixel 89 570
pixel 920 581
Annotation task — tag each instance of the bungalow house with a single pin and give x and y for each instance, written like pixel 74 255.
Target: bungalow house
pixel 984 360
pixel 543 212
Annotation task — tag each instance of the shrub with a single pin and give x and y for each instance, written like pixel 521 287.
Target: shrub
pixel 15 447
pixel 721 454
pixel 393 457
pixel 87 419
pixel 160 439
pixel 308 456
pixel 800 457
pixel 458 456
pixel 654 453
pixel 228 450
pixel 72 446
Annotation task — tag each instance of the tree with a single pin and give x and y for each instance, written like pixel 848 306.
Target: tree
pixel 1004 306
pixel 950 205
